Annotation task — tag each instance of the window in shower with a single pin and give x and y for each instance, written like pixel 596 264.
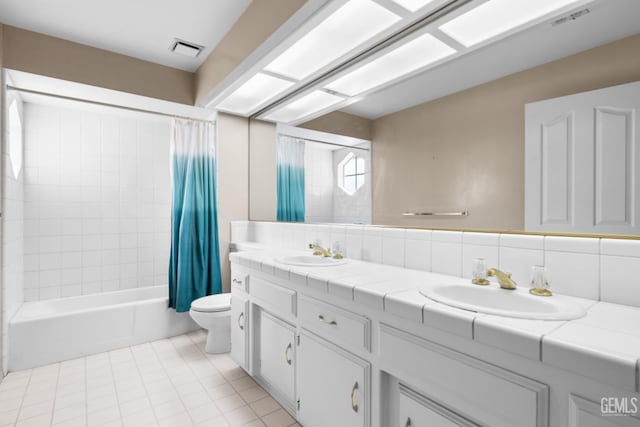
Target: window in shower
pixel 15 138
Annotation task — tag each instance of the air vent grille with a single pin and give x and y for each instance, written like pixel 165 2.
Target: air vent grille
pixel 185 48
pixel 571 17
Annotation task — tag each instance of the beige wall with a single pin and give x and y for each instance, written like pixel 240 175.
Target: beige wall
pixel 233 181
pixel 262 164
pixel 254 26
pixel 341 123
pixel 49 56
pixel 466 150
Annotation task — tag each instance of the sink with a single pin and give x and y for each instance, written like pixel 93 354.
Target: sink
pixel 494 300
pixel 311 261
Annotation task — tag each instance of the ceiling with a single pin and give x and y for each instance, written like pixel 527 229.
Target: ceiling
pixel 140 28
pixel 608 20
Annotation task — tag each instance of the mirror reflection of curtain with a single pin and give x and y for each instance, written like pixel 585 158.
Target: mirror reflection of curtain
pixel 290 160
pixel 194 269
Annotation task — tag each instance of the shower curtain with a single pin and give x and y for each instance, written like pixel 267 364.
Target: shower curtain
pixel 290 159
pixel 194 267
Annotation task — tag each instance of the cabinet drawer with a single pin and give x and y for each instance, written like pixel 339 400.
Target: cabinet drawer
pixel 334 324
pixel 280 300
pixel 472 388
pixel 239 280
pixel 417 410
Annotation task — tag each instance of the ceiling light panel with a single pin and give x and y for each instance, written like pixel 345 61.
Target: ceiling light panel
pixel 354 23
pixel 496 17
pixel 255 92
pixel 409 57
pixel 311 103
pixel 413 5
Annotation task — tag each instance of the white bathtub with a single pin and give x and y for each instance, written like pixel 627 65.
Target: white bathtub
pixel 50 331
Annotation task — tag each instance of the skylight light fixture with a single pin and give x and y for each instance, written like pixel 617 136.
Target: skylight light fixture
pixel 496 17
pixel 310 103
pixel 413 5
pixel 356 22
pixel 256 91
pixel 411 56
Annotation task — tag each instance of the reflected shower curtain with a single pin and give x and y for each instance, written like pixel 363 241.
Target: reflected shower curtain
pixel 194 268
pixel 290 158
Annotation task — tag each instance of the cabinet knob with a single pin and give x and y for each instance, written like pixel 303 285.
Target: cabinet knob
pixel 408 423
pixel 327 322
pixel 354 405
pixel 240 325
pixel 286 354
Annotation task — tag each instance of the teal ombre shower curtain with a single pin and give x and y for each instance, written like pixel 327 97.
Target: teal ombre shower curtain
pixel 290 158
pixel 194 268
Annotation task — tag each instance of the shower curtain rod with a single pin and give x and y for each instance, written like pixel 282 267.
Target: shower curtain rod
pixel 324 142
pixel 105 104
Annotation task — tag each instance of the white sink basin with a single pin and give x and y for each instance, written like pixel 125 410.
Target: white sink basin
pixel 311 261
pixel 501 302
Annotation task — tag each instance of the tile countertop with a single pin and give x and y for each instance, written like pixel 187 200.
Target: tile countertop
pixel 603 345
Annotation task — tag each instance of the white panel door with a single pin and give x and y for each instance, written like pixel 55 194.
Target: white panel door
pixel 277 356
pixel 582 153
pixel 239 332
pixel 333 385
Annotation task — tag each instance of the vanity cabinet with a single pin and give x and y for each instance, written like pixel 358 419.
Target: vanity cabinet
pixel 239 333
pixel 333 385
pixel 276 357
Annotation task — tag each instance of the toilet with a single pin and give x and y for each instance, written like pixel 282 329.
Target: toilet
pixel 213 313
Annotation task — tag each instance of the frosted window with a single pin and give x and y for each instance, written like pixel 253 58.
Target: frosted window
pixel 351 173
pixel 15 139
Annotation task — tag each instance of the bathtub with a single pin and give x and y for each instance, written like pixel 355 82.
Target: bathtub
pixel 43 332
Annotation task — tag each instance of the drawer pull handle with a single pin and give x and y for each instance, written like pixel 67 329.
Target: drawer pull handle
pixel 327 322
pixel 286 354
pixel 354 405
pixel 408 423
pixel 241 316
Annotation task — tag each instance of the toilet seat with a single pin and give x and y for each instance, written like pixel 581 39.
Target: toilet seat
pixel 212 303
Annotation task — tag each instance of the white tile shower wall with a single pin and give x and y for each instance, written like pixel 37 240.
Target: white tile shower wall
pixel 97 201
pixel 12 238
pixel 598 269
pixel 318 183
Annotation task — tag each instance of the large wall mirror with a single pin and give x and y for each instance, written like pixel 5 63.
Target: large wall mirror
pixel 453 138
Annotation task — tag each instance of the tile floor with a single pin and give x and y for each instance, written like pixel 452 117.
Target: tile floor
pixel 171 382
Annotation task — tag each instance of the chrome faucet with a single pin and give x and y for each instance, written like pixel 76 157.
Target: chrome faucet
pixel 504 279
pixel 319 250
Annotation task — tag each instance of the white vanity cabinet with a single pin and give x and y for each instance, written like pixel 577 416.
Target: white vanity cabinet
pixel 276 363
pixel 239 335
pixel 333 385
pixel 240 317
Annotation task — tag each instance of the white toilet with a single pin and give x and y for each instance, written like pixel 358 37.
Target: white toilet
pixel 213 313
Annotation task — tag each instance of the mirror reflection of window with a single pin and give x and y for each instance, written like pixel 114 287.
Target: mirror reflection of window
pixel 15 138
pixel 351 173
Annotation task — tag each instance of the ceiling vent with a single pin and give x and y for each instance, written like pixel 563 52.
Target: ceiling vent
pixel 185 48
pixel 571 17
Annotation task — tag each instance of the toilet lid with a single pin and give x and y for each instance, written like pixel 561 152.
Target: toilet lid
pixel 212 303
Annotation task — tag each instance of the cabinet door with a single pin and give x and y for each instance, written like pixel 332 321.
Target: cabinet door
pixel 582 153
pixel 416 410
pixel 277 355
pixel 333 385
pixel 239 333
pixel 587 413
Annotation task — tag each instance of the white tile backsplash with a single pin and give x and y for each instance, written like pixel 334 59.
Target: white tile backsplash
pixel 446 257
pixel 619 279
pixel 605 269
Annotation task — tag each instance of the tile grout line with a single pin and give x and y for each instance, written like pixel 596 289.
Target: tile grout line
pixel 144 383
pixel 24 393
pixel 55 394
pixel 115 384
pixel 169 378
